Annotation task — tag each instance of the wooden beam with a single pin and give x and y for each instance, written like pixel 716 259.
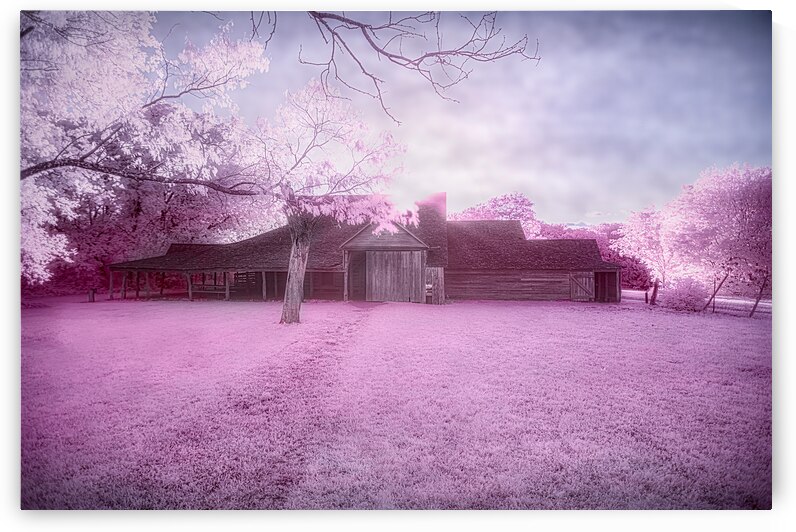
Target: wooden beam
pixel 124 284
pixel 190 287
pixel 226 285
pixel 110 285
pixel 162 282
pixel 436 277
pixel 265 286
pixel 137 283
pixel 345 275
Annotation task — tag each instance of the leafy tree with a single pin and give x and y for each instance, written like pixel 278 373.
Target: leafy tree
pixel 318 153
pixel 105 113
pixel 635 274
pixel 102 107
pixel 514 206
pixel 723 223
pixel 647 236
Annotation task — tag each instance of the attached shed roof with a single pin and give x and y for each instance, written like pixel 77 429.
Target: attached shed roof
pixel 501 245
pixel 269 251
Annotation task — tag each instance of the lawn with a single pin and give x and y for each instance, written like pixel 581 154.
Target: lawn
pixel 212 404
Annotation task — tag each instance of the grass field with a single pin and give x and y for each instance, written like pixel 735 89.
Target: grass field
pixel 212 404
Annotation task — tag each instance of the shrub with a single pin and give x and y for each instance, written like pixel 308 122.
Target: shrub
pixel 687 294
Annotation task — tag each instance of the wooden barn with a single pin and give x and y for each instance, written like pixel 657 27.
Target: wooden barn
pixel 429 261
pixel 491 259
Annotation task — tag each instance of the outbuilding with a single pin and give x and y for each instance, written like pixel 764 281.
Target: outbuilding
pixel 429 261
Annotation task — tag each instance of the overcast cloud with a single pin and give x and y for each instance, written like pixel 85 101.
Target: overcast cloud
pixel 623 109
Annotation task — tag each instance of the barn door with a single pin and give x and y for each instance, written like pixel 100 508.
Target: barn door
pixel 581 286
pixel 395 276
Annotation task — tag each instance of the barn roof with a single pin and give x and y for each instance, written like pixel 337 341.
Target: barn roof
pixel 501 245
pixel 482 244
pixel 271 251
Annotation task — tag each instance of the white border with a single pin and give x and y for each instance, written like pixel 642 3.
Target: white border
pixel 784 35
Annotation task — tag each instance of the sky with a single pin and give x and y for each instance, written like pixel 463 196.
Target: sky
pixel 623 109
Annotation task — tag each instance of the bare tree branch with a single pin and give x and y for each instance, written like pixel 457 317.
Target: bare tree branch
pixel 441 66
pixel 136 175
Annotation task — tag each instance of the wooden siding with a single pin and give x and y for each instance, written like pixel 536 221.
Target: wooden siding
pixel 366 240
pixel 435 277
pixel 507 284
pixel 395 276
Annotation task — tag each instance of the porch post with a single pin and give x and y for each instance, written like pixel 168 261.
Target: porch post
pixel 345 275
pixel 190 287
pixel 137 283
pixel 264 285
pixel 124 284
pixel 110 284
pixel 226 285
pixel 162 282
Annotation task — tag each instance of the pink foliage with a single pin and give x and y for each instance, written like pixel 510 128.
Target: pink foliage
pixel 723 222
pixel 686 294
pixel 635 274
pixel 514 206
pixel 320 152
pixel 647 236
pixel 717 227
pixel 100 95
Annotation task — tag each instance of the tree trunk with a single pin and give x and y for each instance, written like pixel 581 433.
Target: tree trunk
pixel 714 299
pixel 654 292
pixel 294 290
pixel 759 295
pixel 716 291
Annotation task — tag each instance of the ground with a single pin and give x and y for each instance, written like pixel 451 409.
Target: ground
pixel 213 404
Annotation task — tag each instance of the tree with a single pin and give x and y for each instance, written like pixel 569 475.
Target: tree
pixel 362 49
pixel 514 206
pixel 635 274
pixel 318 153
pixel 723 223
pixel 648 236
pixel 101 102
pixel 403 42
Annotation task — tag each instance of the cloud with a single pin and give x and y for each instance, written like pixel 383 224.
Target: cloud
pixel 623 109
